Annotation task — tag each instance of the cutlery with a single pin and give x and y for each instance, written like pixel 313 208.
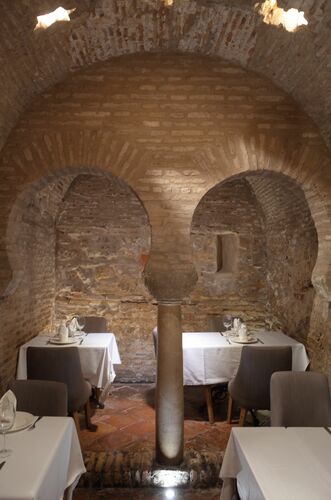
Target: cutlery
pixel 327 430
pixel 34 423
pixel 81 341
pixel 2 464
pixel 259 340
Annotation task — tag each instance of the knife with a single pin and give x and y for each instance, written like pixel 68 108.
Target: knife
pixel 2 464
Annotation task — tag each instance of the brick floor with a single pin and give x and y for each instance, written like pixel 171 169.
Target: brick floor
pixel 126 435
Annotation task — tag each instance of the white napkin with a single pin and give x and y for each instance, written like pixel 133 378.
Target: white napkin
pixel 73 326
pixel 8 396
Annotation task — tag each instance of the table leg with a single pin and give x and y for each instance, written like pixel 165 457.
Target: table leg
pixel 209 402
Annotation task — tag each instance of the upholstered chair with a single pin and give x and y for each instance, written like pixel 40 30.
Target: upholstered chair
pixel 41 397
pixel 250 388
pixel 62 364
pixel 300 399
pixel 95 324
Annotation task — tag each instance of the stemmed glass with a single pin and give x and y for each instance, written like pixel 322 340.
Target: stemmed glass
pixel 80 323
pixel 7 419
pixel 227 322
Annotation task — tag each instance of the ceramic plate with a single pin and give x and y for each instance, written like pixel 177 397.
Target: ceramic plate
pixel 252 340
pixel 22 421
pixel 60 342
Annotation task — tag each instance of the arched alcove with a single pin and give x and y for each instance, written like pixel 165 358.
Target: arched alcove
pixel 269 263
pixel 77 244
pixel 102 244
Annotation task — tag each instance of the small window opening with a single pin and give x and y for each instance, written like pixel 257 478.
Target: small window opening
pixel 59 14
pixel 227 252
pixel 290 19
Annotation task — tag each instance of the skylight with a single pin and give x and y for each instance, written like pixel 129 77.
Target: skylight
pixel 272 14
pixel 60 14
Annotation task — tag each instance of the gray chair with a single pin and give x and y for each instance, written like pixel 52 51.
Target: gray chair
pixel 62 364
pixel 95 324
pixel 41 397
pixel 300 399
pixel 250 388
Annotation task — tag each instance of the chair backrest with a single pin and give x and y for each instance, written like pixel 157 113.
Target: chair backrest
pixel 61 364
pixel 300 399
pixel 95 324
pixel 154 333
pixel 41 397
pixel 250 388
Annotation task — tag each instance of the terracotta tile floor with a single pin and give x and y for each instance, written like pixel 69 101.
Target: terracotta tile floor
pixel 128 420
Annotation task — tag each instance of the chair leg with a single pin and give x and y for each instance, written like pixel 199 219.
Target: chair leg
pixel 230 407
pixel 242 416
pixel 98 392
pixel 87 411
pixel 209 402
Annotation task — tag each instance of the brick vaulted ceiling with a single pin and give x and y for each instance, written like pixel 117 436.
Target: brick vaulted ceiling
pixel 32 62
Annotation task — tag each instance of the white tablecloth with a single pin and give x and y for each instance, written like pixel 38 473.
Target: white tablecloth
pixel 98 353
pixel 44 461
pixel 276 463
pixel 208 358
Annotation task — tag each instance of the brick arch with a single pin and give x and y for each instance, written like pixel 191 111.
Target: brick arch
pixel 110 29
pixel 44 195
pixel 167 166
pixel 305 164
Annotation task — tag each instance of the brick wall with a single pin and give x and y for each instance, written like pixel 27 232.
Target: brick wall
pixel 229 207
pixel 171 126
pixel 28 307
pixel 103 239
pixel 291 247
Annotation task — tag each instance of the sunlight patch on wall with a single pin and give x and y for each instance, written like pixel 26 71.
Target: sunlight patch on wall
pixel 272 14
pixel 60 14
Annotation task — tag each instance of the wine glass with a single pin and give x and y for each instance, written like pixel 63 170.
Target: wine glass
pixel 227 322
pixel 7 419
pixel 80 322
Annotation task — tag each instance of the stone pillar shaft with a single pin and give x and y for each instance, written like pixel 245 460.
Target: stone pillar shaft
pixel 169 387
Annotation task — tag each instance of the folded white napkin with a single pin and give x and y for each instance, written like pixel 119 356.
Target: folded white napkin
pixel 73 326
pixel 9 396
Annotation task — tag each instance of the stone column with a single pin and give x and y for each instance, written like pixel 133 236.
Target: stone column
pixel 169 386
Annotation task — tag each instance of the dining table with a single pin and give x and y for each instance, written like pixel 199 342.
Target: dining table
pixel 213 358
pixel 46 461
pixel 273 463
pixel 98 353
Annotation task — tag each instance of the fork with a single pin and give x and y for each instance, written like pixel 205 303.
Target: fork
pixel 34 423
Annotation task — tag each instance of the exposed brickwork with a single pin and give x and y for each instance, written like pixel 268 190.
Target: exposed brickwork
pixel 291 251
pixel 103 236
pixel 172 126
pixel 230 207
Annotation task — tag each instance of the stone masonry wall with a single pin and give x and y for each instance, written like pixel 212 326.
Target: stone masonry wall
pixel 103 239
pixel 28 307
pixel 172 126
pixel 291 246
pixel 229 207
